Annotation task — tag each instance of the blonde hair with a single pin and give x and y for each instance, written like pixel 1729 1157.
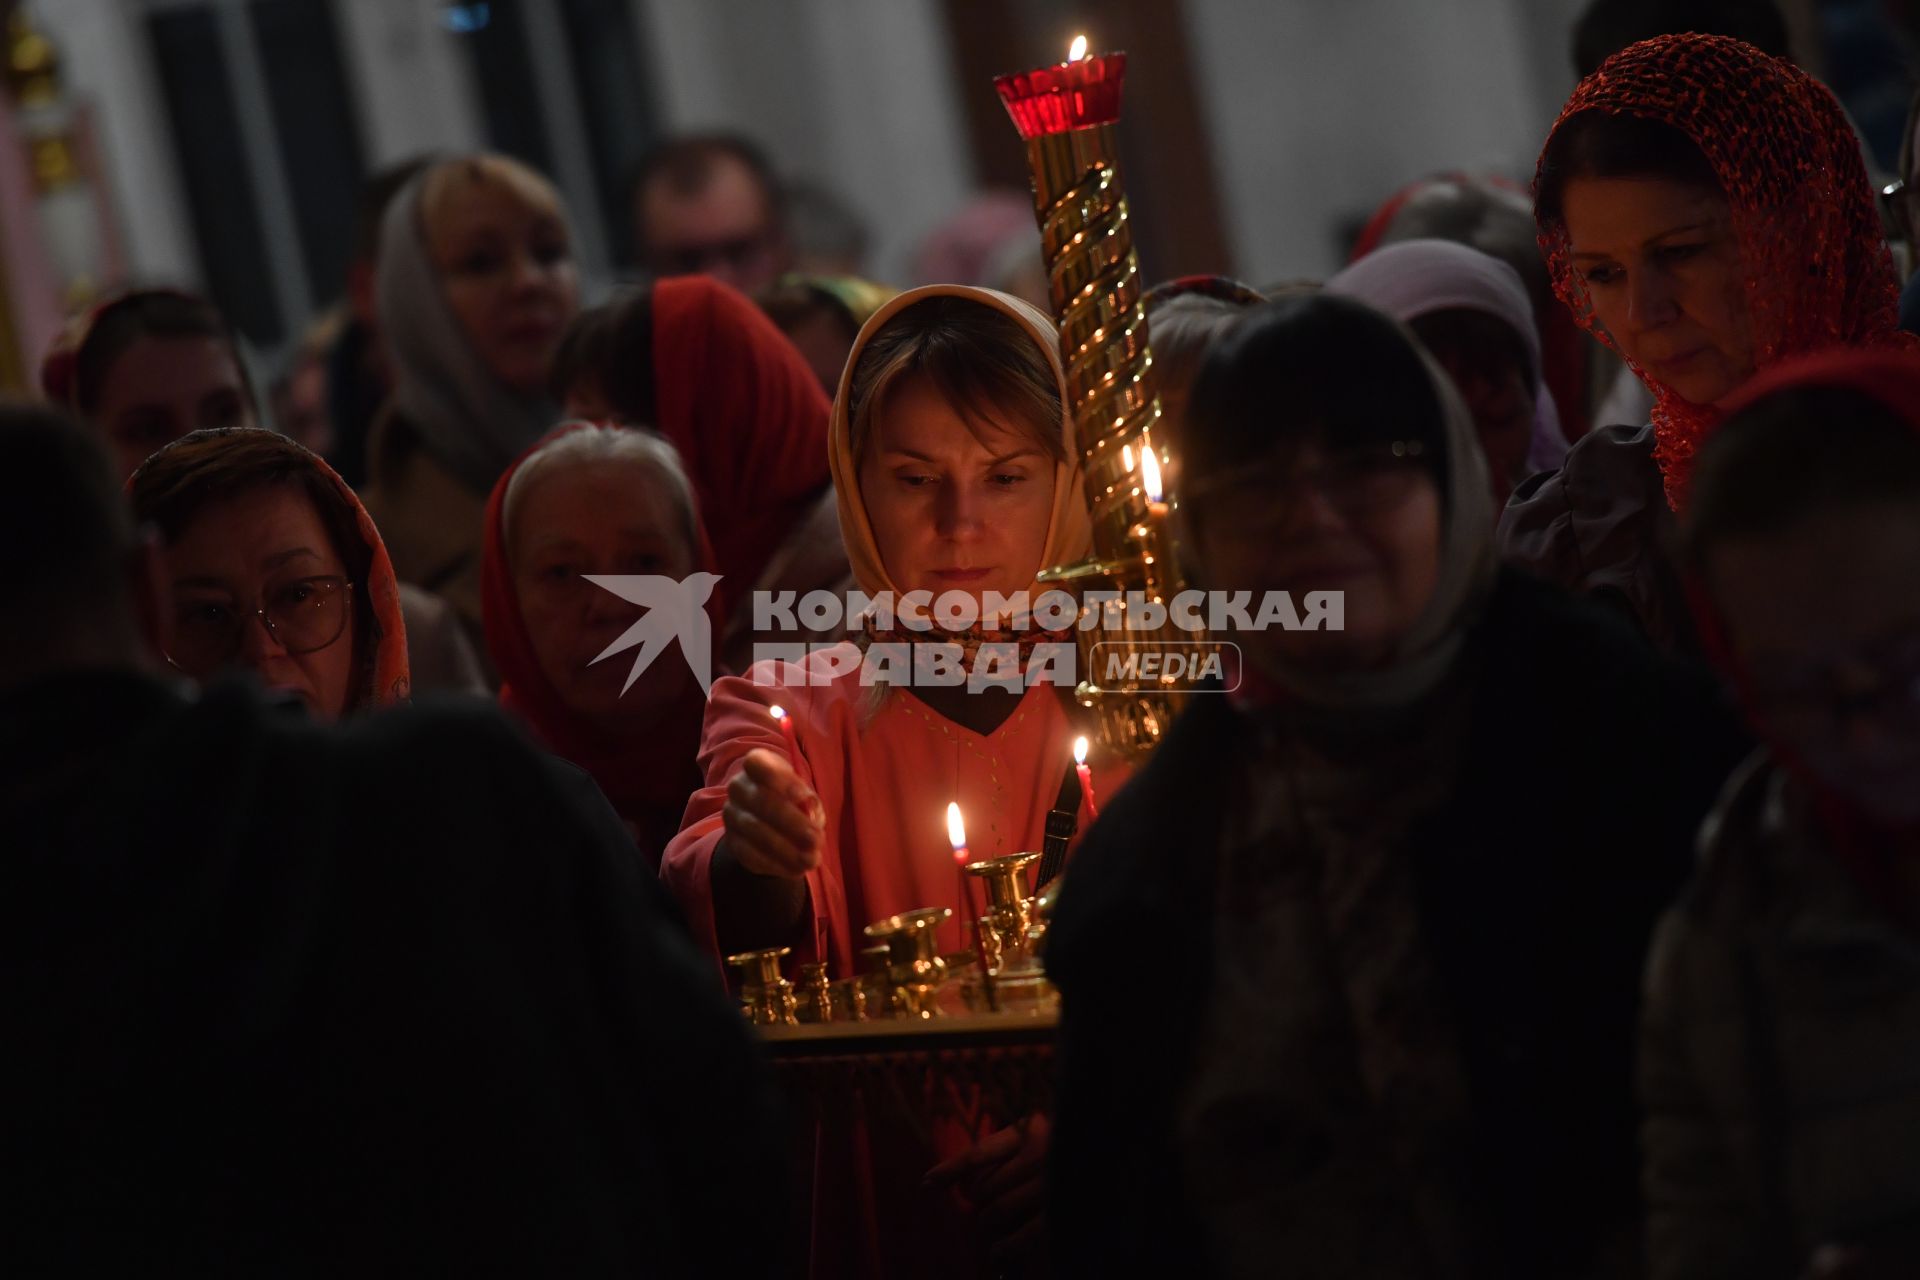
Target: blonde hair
pixel 976 357
pixel 451 183
pixel 595 445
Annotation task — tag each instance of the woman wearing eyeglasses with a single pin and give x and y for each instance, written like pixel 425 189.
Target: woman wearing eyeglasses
pixel 1399 881
pixel 275 568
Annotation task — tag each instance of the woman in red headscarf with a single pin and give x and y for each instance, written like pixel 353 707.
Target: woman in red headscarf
pixel 1705 212
pixel 1782 1023
pixel 276 568
pixel 697 362
pixel 601 500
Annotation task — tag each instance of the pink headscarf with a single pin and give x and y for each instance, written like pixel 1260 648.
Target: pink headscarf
pixel 1414 278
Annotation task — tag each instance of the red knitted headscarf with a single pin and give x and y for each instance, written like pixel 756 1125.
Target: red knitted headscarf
pixel 1818 273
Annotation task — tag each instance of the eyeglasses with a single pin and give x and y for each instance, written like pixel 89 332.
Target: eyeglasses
pixel 1815 705
pixel 1354 481
pixel 303 616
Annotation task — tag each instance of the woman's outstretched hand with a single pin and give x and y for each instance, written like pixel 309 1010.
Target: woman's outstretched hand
pixel 773 820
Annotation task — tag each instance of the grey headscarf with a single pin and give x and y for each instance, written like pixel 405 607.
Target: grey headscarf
pixel 471 424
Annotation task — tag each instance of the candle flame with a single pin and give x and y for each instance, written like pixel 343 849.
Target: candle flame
pixel 956 829
pixel 1078 49
pixel 1080 750
pixel 1126 456
pixel 1150 474
pixel 778 713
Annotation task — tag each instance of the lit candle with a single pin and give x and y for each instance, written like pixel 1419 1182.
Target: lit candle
pixel 1078 49
pixel 1150 480
pixel 1086 775
pixel 788 732
pixel 957 837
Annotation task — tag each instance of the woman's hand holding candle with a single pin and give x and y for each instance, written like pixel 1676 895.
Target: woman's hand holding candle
pixel 773 820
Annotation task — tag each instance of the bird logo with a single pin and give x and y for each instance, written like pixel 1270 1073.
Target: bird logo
pixel 676 609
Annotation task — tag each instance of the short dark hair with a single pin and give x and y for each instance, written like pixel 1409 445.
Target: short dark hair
pixel 686 165
pixel 377 192
pixel 793 300
pixel 1602 144
pixel 1314 368
pixel 65 530
pixel 611 346
pixel 146 313
pixel 1606 27
pixel 1793 454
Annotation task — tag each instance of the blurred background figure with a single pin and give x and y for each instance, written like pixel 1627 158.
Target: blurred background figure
pixel 694 361
pixel 148 367
pixel 1605 27
pixel 1495 215
pixel 711 204
pixel 821 315
pixel 829 239
pixel 1185 318
pixel 297 400
pixel 1473 315
pixel 389 996
pixel 476 286
pixel 991 241
pixel 358 376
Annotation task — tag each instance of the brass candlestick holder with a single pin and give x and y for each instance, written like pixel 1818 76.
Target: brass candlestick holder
pixel 914 966
pixel 818 1002
pixel 766 996
pixel 1003 926
pixel 1066 114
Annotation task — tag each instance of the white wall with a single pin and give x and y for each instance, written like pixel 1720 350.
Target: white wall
pixel 103 50
pixel 415 91
pixel 857 94
pixel 1322 108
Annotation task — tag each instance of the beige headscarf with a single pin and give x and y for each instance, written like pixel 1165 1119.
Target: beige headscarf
pixel 1069 530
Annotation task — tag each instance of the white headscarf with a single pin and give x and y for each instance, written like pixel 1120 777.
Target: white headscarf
pixel 473 426
pixel 1414 278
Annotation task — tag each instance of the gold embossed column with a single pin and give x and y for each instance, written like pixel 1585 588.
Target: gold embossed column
pixel 1067 114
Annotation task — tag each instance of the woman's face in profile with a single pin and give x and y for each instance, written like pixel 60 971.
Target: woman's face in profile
pixel 1665 277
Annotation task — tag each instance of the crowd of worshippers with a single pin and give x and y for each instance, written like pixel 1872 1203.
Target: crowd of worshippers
pixel 1558 916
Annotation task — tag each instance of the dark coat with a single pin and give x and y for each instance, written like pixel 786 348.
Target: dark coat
pixel 1780 1057
pixel 396 997
pixel 1600 527
pixel 1587 765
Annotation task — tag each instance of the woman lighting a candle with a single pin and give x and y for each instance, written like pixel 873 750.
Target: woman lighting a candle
pixel 955 469
pixel 956 472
